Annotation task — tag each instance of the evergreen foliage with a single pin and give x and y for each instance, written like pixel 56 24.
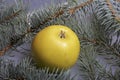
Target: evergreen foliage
pixel 97 24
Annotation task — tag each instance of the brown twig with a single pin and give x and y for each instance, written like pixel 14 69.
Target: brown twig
pixel 111 48
pixel 72 10
pixel 104 44
pixel 57 14
pixel 89 40
pixel 10 17
pixel 112 10
pixel 5 49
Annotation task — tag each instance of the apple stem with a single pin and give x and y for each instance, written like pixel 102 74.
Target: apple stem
pixel 62 34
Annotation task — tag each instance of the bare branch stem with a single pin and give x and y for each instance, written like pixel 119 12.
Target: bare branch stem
pixel 104 44
pixel 10 16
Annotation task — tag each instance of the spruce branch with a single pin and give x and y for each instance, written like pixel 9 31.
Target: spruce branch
pixel 57 14
pixel 74 9
pixel 12 25
pixel 100 42
pixel 53 16
pixel 10 16
pixel 88 65
pixel 62 11
pixel 107 15
pixel 111 48
pixel 113 10
pixel 26 70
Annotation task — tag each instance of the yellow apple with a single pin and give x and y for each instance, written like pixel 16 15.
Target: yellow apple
pixel 56 46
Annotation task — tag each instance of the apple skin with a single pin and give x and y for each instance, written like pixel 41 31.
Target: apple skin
pixel 56 46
